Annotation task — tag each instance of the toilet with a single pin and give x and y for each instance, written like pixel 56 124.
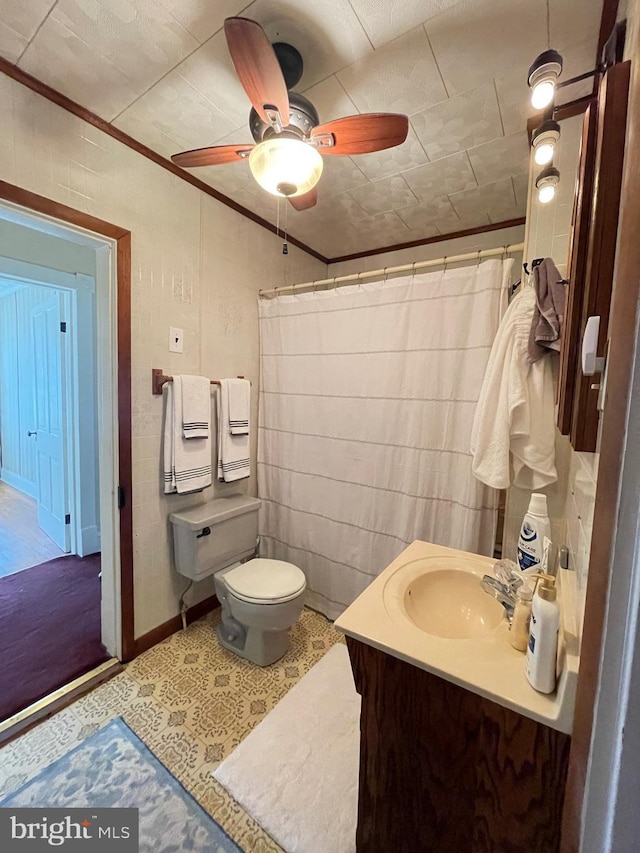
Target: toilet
pixel 260 598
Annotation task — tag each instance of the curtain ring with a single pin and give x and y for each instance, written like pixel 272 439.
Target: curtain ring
pixel 384 274
pixel 360 280
pixel 414 269
pixel 478 262
pixel 445 264
pixel 334 282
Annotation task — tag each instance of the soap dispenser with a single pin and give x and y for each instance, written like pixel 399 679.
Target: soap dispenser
pixel 542 649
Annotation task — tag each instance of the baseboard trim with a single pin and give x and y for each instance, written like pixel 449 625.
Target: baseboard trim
pixel 49 705
pixel 16 481
pixel 157 635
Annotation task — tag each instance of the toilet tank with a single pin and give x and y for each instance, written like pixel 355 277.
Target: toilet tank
pixel 211 536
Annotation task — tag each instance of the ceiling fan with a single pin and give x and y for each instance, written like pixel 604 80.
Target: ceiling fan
pixel 286 159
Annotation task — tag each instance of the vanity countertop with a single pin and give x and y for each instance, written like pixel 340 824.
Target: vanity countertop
pixel 488 665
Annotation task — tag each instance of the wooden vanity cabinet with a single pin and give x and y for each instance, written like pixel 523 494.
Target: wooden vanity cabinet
pixel 443 770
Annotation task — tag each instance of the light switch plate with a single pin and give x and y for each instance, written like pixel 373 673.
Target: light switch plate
pixel 176 339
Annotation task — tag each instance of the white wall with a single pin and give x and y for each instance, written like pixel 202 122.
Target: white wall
pixel 196 264
pixel 457 246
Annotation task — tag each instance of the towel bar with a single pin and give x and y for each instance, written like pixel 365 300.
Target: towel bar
pixel 158 379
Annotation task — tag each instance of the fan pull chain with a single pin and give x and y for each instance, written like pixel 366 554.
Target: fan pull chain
pixel 285 247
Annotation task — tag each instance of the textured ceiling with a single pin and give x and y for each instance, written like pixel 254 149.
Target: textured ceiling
pixel 160 71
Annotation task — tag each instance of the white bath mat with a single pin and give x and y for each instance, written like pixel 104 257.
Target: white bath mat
pixel 297 772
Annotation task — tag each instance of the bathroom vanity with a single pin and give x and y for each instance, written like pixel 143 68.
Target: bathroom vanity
pixel 457 752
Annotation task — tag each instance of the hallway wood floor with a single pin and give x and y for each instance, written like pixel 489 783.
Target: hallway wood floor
pixel 22 542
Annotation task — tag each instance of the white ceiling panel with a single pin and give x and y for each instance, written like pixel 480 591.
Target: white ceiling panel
pixel 434 180
pixel 203 18
pixel 514 98
pixel 384 195
pixel 12 43
pixel 384 20
pixel 577 59
pixel 572 21
pixel 71 66
pixel 210 70
pixel 176 110
pixel 24 16
pixel 521 189
pixel 400 77
pixel 426 213
pixel 340 174
pixel 330 100
pixel 475 41
pixel 328 34
pixel 458 123
pixel 497 200
pixel 381 164
pixel 500 158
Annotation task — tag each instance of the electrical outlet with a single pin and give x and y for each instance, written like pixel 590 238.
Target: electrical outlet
pixel 176 339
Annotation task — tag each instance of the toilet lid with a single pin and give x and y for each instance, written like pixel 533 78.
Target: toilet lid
pixel 265 580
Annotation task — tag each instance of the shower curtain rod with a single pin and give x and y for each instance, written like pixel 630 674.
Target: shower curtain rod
pixel 341 280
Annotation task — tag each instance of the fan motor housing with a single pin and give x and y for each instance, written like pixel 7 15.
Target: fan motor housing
pixel 303 117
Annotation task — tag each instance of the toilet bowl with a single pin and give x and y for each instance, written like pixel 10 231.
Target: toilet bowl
pixel 260 598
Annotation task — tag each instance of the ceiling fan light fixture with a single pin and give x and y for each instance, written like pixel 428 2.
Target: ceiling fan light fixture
pixel 542 78
pixel 546 184
pixel 544 140
pixel 285 167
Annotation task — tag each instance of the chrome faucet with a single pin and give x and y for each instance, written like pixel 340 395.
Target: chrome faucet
pixel 503 592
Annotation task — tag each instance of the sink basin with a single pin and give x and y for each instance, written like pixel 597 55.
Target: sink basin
pixel 443 597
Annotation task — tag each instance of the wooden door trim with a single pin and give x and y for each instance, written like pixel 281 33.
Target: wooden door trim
pixel 56 210
pixel 622 331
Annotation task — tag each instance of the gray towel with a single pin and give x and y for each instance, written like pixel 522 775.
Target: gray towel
pixel 549 311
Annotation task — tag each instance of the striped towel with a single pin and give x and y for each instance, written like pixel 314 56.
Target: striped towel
pixel 187 463
pixel 233 450
pixel 239 391
pixel 196 406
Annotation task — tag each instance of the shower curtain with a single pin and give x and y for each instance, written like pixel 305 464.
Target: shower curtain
pixel 367 397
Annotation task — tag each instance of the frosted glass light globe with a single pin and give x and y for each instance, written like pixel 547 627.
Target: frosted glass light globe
pixel 542 94
pixel 544 153
pixel 546 193
pixel 285 167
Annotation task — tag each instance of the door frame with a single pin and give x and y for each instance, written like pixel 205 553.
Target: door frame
pixel 116 246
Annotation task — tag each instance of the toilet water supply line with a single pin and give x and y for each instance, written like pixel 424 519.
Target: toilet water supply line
pixel 341 280
pixel 183 606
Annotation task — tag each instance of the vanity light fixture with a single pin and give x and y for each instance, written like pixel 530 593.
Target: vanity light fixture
pixel 543 76
pixel 546 184
pixel 286 166
pixel 544 141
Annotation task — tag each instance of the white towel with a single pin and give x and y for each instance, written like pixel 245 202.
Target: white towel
pixel 239 391
pixel 514 423
pixel 187 464
pixel 233 450
pixel 196 406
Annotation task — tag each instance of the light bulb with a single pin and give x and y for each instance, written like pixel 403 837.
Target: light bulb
pixel 546 193
pixel 542 94
pixel 544 153
pixel 286 167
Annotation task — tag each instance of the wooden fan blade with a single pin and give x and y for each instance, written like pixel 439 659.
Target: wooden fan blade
pixel 213 156
pixel 258 69
pixel 304 202
pixel 362 134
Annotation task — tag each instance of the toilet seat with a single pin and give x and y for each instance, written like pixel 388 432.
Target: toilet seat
pixel 264 581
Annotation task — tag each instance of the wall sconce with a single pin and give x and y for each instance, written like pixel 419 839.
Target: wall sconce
pixel 546 184
pixel 543 76
pixel 286 166
pixel 544 141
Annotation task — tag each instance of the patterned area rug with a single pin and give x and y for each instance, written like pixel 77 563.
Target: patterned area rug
pixel 113 768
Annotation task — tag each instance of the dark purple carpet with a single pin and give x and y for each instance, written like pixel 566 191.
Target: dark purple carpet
pixel 49 629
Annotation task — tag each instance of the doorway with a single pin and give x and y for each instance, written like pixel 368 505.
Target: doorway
pixel 109 456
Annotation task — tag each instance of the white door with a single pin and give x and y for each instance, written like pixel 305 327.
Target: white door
pixel 50 408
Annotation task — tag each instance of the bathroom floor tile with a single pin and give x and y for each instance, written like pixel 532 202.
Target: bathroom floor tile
pixel 192 702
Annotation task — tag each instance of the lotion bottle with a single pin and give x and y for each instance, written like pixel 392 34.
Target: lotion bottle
pixel 519 630
pixel 535 528
pixel 542 649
